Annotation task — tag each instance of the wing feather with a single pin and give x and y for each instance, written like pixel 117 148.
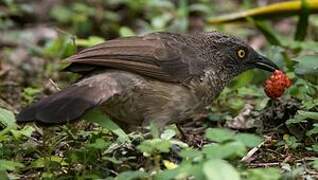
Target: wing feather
pixel 165 59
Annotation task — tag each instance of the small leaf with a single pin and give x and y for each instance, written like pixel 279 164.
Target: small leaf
pixel 168 134
pixel 91 41
pixel 152 146
pixel 313 131
pixel 26 131
pixel 126 31
pixel 249 140
pixel 217 169
pixel 6 165
pixel 169 164
pixel 314 163
pixel 308 114
pixel 7 118
pixel 99 144
pixel 307 68
pixel 131 175
pixel 190 153
pixel 264 174
pixel 98 117
pixel 223 151
pixel 219 134
pixel 44 161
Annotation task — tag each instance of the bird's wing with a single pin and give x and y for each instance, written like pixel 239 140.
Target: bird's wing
pixel 161 57
pixel 71 103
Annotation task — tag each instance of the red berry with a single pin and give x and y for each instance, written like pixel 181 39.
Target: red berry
pixel 276 84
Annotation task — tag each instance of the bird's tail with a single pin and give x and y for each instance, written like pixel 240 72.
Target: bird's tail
pixel 71 103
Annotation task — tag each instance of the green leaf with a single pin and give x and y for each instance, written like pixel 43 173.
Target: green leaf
pixel 224 151
pixel 7 118
pixel 153 146
pixel 302 116
pixel 264 174
pixel 219 134
pixel 6 165
pixel 154 130
pixel 314 163
pixel 249 140
pixel 183 171
pixel 126 31
pixel 291 141
pixel 26 131
pixel 100 118
pixel 168 134
pixel 217 169
pixel 60 47
pixel 190 153
pixel 132 175
pixel 313 131
pixel 308 114
pixel 91 41
pixel 307 68
pixel 98 144
pixel 45 161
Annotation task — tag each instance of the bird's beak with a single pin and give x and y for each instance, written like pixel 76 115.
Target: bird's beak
pixel 262 62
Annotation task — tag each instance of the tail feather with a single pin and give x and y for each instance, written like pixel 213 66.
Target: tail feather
pixel 71 103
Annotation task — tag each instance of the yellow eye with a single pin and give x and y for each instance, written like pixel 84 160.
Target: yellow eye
pixel 241 53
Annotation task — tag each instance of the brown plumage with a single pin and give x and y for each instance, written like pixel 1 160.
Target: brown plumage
pixel 159 77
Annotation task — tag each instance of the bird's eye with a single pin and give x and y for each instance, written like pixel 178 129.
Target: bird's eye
pixel 241 53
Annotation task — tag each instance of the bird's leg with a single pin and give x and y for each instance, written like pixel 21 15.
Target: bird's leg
pixel 183 136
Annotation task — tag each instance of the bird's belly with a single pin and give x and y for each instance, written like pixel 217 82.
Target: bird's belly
pixel 147 100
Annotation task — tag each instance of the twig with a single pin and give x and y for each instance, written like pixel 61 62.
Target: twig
pixel 56 87
pixel 264 164
pixel 248 157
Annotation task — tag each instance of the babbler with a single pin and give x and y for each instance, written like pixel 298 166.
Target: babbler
pixel 160 77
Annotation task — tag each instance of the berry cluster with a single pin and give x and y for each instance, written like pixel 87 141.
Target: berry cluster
pixel 276 84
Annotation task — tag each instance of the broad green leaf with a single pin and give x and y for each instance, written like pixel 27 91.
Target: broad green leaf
pixel 302 116
pixel 308 114
pixel 91 41
pixel 291 141
pixel 190 153
pixel 307 68
pixel 98 144
pixel 152 146
pixel 249 140
pixel 313 131
pixel 264 174
pixel 126 31
pixel 7 118
pixel 98 117
pixel 314 163
pixel 44 161
pixel 25 131
pixel 168 134
pixel 224 151
pixel 3 175
pixel 6 165
pixel 217 169
pixel 219 134
pixel 132 175
pixel 183 171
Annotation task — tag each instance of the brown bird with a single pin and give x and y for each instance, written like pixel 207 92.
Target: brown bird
pixel 160 77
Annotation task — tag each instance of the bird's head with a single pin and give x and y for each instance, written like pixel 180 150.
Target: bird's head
pixel 236 55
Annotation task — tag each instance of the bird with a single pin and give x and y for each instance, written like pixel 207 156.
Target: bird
pixel 159 78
